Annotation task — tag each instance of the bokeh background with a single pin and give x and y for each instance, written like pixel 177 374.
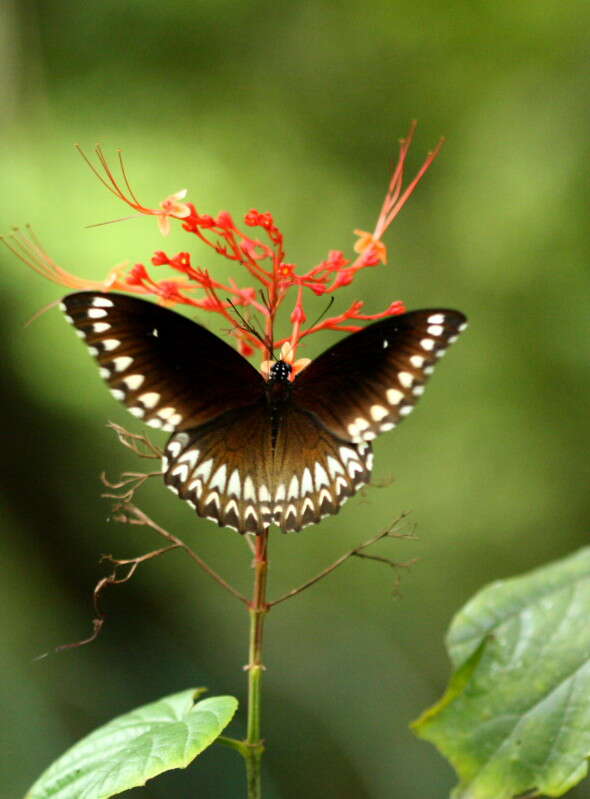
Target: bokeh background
pixel 295 108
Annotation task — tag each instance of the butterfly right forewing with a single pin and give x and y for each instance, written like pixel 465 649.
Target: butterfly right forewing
pixel 370 381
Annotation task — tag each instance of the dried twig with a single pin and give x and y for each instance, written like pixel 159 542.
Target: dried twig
pixel 389 532
pixel 131 481
pixel 139 444
pixel 131 514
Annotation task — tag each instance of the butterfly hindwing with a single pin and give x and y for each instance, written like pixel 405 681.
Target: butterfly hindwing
pixel 224 469
pixel 169 371
pixel 314 472
pixel 228 472
pixel 368 382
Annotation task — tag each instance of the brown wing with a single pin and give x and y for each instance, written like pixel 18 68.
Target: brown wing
pixel 314 473
pixel 229 472
pixel 224 469
pixel 368 382
pixel 169 371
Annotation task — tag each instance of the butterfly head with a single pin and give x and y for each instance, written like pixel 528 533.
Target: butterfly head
pixel 279 372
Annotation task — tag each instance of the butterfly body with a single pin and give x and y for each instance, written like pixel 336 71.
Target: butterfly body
pixel 247 452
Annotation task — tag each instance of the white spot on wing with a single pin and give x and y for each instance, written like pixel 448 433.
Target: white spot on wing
pixel 218 479
pixel 307 503
pixel 427 344
pixel 197 487
pixel 406 410
pixel 251 511
pixel 417 361
pixel 191 457
pixel 102 302
pixel 181 470
pixel 406 379
pixel 110 344
pixel 133 382
pixel 394 396
pixel 436 319
pixel 280 492
pixel 204 470
pixel 378 412
pixel 150 399
pixel 249 490
pixel 234 484
pixel 174 448
pixel 101 327
pixel 334 466
pixel 118 394
pixel 306 482
pixel 435 330
pixel 231 507
pixel 347 454
pixel 96 313
pixel 321 476
pixel 122 362
pixel 154 423
pixel 139 412
pixel 353 467
pixel 104 373
pixel 293 488
pixel 264 494
pixel 213 497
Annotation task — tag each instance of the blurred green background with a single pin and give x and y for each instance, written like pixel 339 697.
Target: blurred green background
pixel 296 109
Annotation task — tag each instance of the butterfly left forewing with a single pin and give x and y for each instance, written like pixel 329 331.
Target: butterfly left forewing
pixel 370 381
pixel 168 370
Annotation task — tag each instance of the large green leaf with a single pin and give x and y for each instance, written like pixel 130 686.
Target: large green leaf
pixel 515 719
pixel 133 748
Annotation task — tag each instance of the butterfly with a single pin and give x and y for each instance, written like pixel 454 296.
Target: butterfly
pixel 245 451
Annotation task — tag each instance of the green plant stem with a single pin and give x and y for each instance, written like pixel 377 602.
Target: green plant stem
pixel 258 608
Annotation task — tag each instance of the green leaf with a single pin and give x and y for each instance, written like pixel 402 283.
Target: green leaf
pixel 515 719
pixel 137 746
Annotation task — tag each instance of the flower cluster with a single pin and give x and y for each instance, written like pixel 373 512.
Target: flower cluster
pixel 256 246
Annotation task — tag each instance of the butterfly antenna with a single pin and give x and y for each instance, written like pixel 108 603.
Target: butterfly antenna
pixel 324 312
pixel 246 325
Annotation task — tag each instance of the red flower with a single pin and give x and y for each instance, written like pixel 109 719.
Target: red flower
pixel 262 258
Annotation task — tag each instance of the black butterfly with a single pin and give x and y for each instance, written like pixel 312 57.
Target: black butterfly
pixel 248 452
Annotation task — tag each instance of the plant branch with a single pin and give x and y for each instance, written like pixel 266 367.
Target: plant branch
pixel 389 532
pixel 258 608
pixel 138 444
pixel 131 514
